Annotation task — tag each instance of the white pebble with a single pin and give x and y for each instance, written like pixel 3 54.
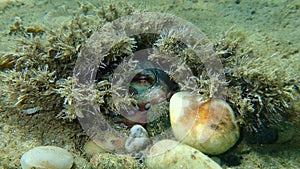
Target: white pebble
pixel 47 157
pixel 137 139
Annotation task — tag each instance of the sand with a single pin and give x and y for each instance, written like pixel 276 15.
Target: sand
pixel 270 28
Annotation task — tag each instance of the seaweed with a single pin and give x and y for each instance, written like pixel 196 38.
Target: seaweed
pixel 37 76
pixel 263 94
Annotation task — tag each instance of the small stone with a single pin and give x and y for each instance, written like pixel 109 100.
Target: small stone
pixel 47 157
pixel 138 138
pixel 172 154
pixel 207 125
pixel 91 148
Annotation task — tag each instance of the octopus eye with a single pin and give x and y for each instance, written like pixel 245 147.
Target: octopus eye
pixel 142 81
pixel 145 79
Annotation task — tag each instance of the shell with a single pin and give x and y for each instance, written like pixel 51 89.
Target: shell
pixel 209 125
pixel 47 157
pixel 172 154
pixel 137 139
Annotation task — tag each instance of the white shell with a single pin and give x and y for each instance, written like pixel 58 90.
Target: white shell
pixel 209 126
pixel 172 154
pixel 47 157
pixel 137 139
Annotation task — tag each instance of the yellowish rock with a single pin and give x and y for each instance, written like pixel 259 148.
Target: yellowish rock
pixel 91 148
pixel 47 157
pixel 208 125
pixel 172 154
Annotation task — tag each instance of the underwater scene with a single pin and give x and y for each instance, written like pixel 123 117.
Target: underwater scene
pixel 92 84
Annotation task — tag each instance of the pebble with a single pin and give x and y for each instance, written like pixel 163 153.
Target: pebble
pixel 138 138
pixel 91 148
pixel 172 154
pixel 207 125
pixel 47 157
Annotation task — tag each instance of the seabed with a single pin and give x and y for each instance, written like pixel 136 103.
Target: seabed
pixel 268 29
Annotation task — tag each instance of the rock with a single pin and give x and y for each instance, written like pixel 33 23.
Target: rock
pixel 209 125
pixel 47 157
pixel 91 148
pixel 286 132
pixel 172 154
pixel 262 135
pixel 138 138
pixel 231 160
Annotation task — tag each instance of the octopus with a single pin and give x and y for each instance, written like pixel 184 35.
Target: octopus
pixel 148 87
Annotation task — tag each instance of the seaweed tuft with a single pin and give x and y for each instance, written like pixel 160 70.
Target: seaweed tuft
pixel 263 93
pixel 36 77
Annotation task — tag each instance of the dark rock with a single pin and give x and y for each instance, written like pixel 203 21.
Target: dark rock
pixel 232 160
pixel 262 136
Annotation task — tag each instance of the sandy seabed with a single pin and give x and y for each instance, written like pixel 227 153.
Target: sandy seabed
pixel 271 28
